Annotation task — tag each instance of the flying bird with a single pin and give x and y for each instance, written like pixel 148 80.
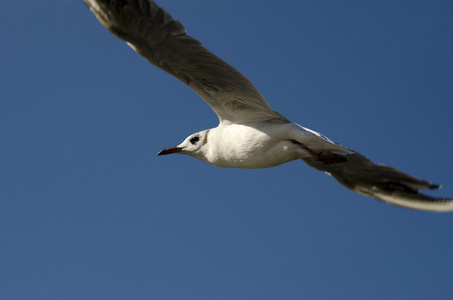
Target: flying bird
pixel 250 133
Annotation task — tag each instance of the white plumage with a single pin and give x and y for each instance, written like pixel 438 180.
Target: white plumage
pixel 250 134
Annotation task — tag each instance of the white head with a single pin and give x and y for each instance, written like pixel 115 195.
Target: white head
pixel 193 145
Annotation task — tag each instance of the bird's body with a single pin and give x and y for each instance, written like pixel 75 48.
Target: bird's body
pixel 261 144
pixel 237 146
pixel 250 134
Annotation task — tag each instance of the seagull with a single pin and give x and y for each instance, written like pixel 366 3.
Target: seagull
pixel 250 133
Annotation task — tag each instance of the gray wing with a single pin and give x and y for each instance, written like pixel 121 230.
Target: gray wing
pixel 155 35
pixel 385 183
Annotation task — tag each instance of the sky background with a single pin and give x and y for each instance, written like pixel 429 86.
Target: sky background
pixel 88 211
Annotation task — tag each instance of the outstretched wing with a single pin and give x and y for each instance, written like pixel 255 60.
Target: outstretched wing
pixel 388 184
pixel 155 35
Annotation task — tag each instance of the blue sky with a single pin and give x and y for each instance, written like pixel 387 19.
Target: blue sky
pixel 89 212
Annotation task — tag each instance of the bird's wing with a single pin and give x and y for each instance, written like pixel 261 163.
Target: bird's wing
pixel 387 184
pixel 155 35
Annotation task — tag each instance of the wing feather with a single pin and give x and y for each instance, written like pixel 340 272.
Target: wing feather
pixel 155 35
pixel 383 182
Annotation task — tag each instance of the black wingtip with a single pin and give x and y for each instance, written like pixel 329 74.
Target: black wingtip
pixel 435 186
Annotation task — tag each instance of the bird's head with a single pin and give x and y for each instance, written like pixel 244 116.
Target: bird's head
pixel 193 145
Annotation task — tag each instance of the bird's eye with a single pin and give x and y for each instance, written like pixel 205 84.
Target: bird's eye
pixel 194 140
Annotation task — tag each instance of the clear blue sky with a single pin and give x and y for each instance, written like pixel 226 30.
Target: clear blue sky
pixel 88 211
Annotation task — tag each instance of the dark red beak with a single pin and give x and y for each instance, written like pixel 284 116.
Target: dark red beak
pixel 169 151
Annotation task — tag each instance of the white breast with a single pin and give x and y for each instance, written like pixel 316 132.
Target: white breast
pixel 256 145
